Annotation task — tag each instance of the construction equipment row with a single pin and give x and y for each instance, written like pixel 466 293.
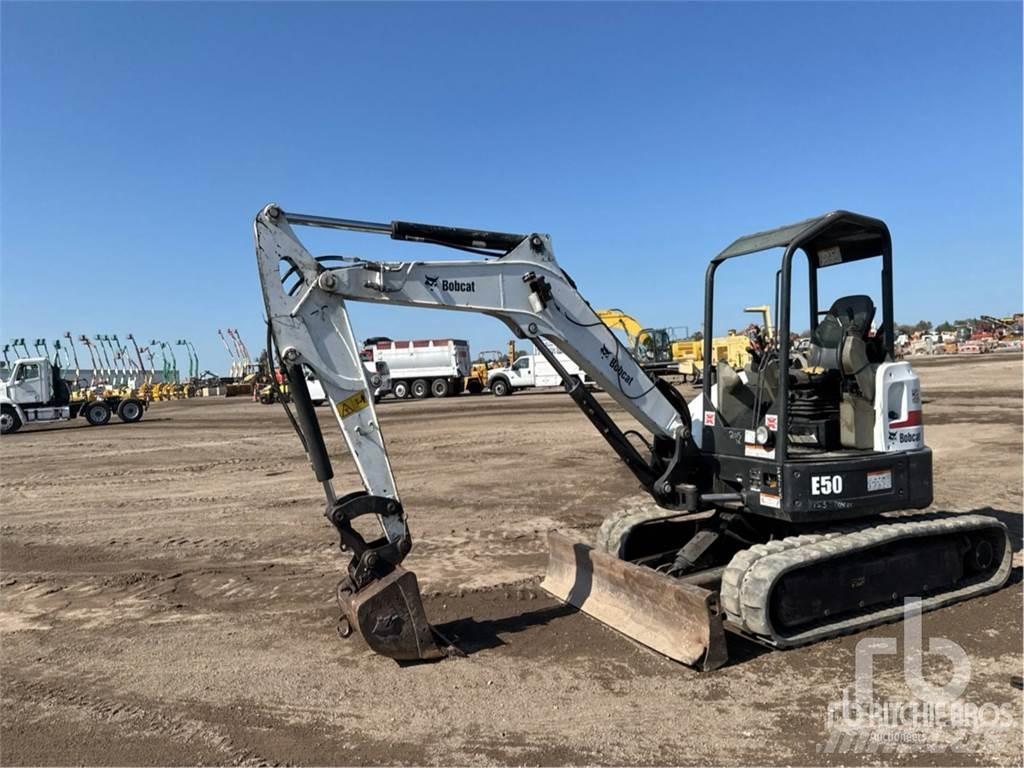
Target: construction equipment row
pixel 111 367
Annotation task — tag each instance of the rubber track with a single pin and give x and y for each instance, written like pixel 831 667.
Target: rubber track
pixel 616 526
pixel 743 561
pixel 752 574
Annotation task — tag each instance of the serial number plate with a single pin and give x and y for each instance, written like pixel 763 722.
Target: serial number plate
pixel 880 481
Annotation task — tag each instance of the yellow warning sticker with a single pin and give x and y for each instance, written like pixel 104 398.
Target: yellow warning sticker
pixel 352 404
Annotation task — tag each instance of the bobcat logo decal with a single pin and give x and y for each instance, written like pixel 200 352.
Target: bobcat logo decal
pixel 449 286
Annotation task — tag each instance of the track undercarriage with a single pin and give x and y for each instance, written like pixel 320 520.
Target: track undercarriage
pixel 795 587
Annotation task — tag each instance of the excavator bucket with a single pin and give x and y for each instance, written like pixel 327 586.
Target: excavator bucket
pixel 388 614
pixel 681 621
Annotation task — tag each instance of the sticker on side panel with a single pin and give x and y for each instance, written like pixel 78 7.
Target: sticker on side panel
pixel 771 421
pixel 880 480
pixel 758 451
pixel 770 500
pixel 709 418
pixel 352 404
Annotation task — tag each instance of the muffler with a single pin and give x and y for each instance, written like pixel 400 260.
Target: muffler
pixel 679 620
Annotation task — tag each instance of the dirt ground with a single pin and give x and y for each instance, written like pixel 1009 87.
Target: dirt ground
pixel 167 599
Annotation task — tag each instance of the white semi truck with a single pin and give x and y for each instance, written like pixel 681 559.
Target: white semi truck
pixel 34 393
pixel 533 370
pixel 422 367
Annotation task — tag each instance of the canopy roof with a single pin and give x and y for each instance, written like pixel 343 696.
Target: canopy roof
pixel 856 236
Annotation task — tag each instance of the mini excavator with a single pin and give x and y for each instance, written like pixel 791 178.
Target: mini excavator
pixel 783 494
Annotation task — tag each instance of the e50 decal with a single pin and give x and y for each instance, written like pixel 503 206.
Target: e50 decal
pixel 826 485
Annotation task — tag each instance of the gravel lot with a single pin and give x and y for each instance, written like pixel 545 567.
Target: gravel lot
pixel 167 599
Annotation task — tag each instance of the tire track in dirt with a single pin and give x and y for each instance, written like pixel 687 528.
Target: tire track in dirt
pixel 140 719
pixel 43 601
pixel 134 475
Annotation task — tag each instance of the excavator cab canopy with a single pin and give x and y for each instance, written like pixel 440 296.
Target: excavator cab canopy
pixel 857 237
pixel 830 240
pixel 826 241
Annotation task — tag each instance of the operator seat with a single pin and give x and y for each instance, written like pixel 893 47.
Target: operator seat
pixel 842 342
pixel 848 316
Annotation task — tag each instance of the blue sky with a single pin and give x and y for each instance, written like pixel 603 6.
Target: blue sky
pixel 139 139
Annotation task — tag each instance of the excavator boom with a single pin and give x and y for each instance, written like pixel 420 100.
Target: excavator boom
pixel 524 287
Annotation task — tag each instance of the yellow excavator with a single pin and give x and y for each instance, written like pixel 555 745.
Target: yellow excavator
pixel 661 354
pixel 653 347
pixel 476 382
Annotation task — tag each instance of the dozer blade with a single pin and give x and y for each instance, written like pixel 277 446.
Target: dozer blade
pixel 679 620
pixel 388 614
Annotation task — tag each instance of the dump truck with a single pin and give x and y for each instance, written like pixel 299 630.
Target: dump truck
pixel 422 368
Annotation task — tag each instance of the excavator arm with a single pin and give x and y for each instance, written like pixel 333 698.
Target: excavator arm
pixel 519 283
pixel 523 287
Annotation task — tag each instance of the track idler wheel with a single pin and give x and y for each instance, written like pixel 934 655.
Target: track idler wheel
pixel 388 614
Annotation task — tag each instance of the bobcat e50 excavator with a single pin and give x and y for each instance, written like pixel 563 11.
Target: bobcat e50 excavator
pixel 769 488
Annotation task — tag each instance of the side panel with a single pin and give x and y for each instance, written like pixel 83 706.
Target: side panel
pixel 823 490
pixel 546 376
pixel 851 487
pixel 899 425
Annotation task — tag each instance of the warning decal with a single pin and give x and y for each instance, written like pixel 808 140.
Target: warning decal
pixel 352 404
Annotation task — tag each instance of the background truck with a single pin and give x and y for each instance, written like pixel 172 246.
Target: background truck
pixel 532 370
pixel 423 367
pixel 35 392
